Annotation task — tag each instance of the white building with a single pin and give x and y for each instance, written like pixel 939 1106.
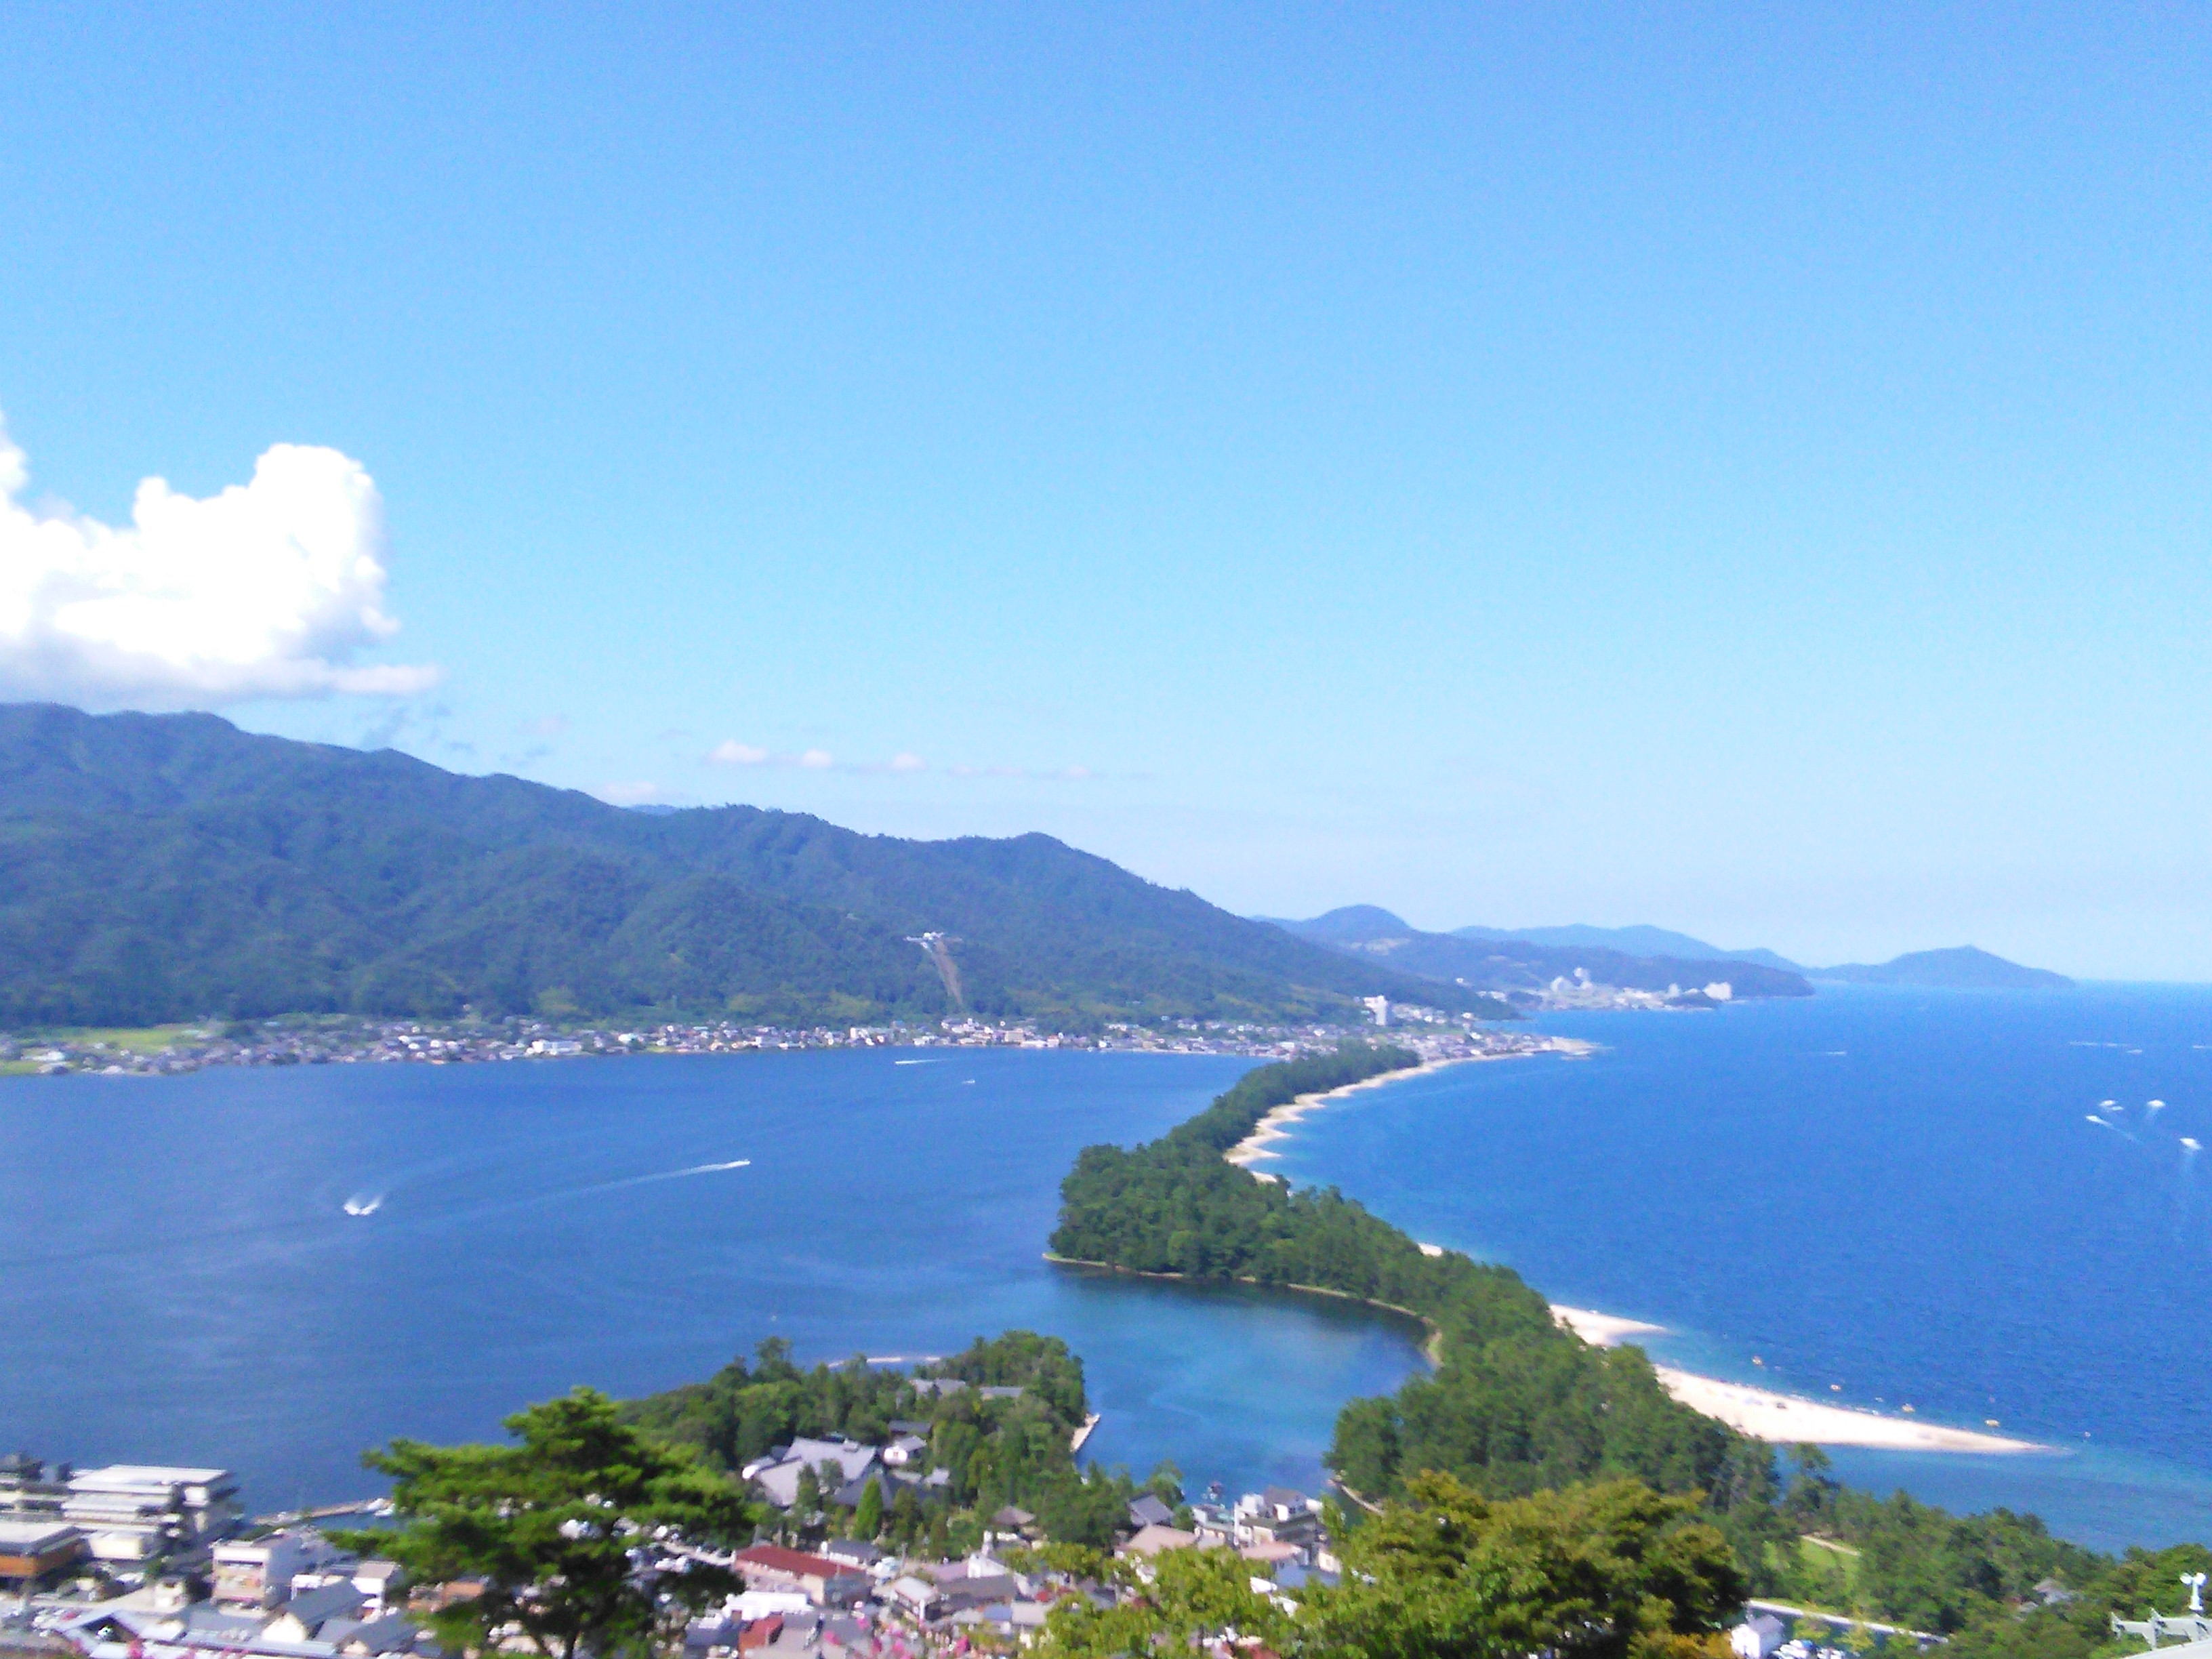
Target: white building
pixel 1757 1637
pixel 134 1511
pixel 260 1574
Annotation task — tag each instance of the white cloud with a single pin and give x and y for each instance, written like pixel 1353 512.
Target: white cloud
pixel 631 794
pixel 731 752
pixel 266 589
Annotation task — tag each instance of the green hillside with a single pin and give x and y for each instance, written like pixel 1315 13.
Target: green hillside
pixel 157 867
pixel 1486 959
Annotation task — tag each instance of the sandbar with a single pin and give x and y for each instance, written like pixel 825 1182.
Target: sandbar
pixel 1276 1125
pixel 1786 1419
pixel 1602 1330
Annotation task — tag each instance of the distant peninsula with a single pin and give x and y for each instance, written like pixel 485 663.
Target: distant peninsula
pixel 1547 974
pixel 1960 969
pixel 1574 965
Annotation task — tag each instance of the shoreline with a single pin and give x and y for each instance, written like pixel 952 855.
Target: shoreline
pixel 1276 1125
pixel 1781 1419
pixel 1431 1344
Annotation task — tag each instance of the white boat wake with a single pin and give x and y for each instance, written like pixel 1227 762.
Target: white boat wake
pixel 358 1206
pixel 696 1170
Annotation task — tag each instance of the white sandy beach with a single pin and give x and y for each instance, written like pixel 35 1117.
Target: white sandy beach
pixel 1276 1125
pixel 1786 1419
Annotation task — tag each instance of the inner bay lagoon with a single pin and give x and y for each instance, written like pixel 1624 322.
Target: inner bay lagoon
pixel 180 1280
pixel 1899 1192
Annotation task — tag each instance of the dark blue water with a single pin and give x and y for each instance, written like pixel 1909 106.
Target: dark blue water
pixel 1895 1191
pixel 179 1282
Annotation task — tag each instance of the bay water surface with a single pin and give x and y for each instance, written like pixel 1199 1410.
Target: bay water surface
pixel 1873 1197
pixel 180 1281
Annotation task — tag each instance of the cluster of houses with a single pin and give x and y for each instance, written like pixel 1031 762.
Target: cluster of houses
pixel 846 1597
pixel 289 1595
pixel 140 1562
pixel 1440 1034
pixel 70 1540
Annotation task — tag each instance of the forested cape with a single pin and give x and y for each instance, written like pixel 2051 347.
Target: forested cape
pixel 163 867
pixel 1508 964
pixel 993 1451
pixel 1517 1405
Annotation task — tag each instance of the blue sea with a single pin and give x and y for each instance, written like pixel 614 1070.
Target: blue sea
pixel 1899 1192
pixel 180 1282
pixel 1902 1193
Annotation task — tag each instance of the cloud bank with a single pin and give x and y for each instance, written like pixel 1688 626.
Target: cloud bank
pixel 731 752
pixel 267 589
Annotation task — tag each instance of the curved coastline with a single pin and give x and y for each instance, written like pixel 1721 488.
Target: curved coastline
pixel 1431 1344
pixel 1762 1414
pixel 1276 1125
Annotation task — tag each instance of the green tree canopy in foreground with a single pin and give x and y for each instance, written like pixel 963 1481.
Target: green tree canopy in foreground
pixel 549 1525
pixel 1613 1571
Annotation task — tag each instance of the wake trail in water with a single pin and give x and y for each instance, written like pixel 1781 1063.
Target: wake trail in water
pixel 663 1175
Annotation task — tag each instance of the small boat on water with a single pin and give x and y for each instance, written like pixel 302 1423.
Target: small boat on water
pixel 2190 1143
pixel 364 1205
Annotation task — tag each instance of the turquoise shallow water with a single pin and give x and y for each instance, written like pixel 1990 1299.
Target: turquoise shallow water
pixel 1898 1192
pixel 180 1281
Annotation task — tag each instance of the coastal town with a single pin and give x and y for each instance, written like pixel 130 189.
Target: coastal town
pixel 334 1040
pixel 142 1561
pixel 154 1562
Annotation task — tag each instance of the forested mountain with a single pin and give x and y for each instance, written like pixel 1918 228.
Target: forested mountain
pixel 1508 963
pixel 157 867
pixel 1642 940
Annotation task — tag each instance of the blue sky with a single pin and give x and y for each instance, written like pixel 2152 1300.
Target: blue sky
pixel 1742 472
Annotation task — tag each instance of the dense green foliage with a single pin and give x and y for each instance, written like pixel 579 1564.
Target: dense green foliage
pixel 1516 1405
pixel 1973 1577
pixel 167 867
pixel 1598 1570
pixel 2138 1583
pixel 995 1452
pixel 1590 1572
pixel 547 1525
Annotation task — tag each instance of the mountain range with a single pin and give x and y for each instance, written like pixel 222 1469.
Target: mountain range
pixel 1492 959
pixel 1640 958
pixel 160 867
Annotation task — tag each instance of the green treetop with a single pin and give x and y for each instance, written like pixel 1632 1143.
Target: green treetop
pixel 549 1525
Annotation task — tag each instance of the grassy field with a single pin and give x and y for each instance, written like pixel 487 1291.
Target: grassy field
pixel 129 1039
pixel 1829 1573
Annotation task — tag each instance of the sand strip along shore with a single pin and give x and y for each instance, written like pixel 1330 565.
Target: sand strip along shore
pixel 1276 1125
pixel 1784 1418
